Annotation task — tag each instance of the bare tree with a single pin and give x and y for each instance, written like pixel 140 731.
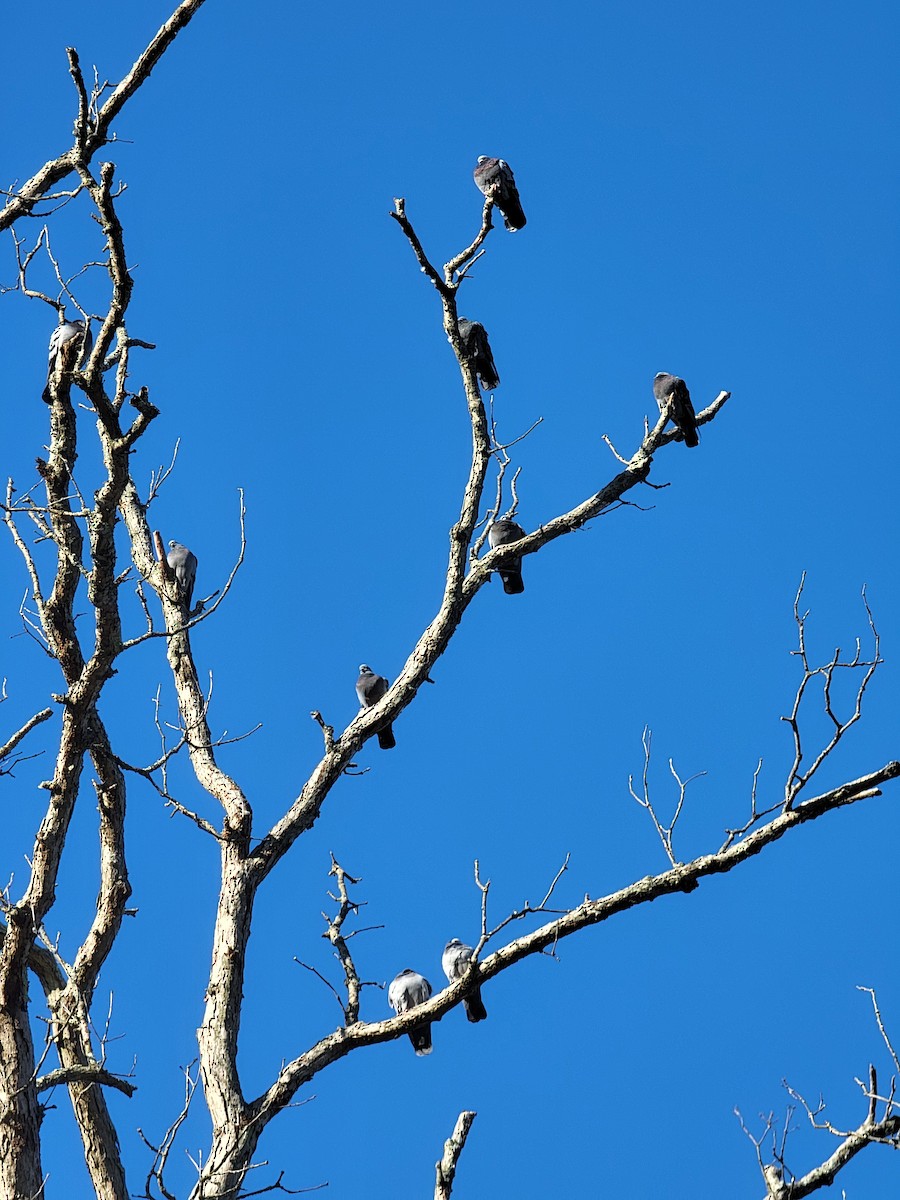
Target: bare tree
pixel 78 525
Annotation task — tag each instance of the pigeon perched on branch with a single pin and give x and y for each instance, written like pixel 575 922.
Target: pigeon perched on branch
pixel 475 344
pixel 184 564
pixel 370 688
pixel 70 345
pixel 671 391
pixel 455 960
pixel 408 990
pixel 494 177
pixel 499 534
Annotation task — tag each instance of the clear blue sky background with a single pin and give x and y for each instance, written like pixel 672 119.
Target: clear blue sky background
pixel 709 191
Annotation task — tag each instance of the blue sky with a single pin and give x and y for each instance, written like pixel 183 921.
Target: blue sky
pixel 710 191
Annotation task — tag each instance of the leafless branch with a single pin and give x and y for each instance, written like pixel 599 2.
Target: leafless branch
pixel 278 1186
pixel 665 832
pixel 7 748
pixel 870 992
pixel 199 612
pixel 784 1184
pixel 797 779
pixel 162 1151
pixel 85 1073
pixel 756 814
pixel 337 939
pixel 445 1168
pixel 35 189
pixel 615 453
pixel 463 261
pixel 399 215
pixel 327 730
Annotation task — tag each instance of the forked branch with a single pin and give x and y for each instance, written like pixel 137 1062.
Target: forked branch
pixel 798 779
pixel 884 1129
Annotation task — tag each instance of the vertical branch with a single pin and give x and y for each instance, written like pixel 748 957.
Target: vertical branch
pixel 797 779
pixel 445 1169
pixel 337 939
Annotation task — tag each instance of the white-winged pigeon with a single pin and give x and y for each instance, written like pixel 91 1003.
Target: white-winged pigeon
pixel 407 990
pixel 494 177
pixel 455 960
pixel 70 345
pixel 184 564
pixel 370 688
pixel 476 346
pixel 499 534
pixel 671 391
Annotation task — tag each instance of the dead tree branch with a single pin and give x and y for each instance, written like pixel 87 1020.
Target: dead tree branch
pixel 797 779
pixel 445 1168
pixel 7 748
pixel 91 135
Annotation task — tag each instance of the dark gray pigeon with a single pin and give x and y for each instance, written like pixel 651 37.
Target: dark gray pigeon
pixel 370 688
pixel 70 345
pixel 499 534
pixel 455 961
pixel 494 177
pixel 407 990
pixel 672 391
pixel 476 346
pixel 184 564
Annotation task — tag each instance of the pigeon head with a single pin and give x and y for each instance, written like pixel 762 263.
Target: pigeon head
pixel 482 158
pixel 452 944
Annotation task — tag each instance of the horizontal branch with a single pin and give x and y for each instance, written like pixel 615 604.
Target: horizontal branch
pixel 85 1073
pixel 680 878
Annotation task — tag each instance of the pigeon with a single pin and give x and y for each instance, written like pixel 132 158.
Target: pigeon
pixel 495 178
pixel 184 564
pixel 499 534
pixel 672 391
pixel 370 688
pixel 65 341
pixel 455 961
pixel 407 990
pixel 476 346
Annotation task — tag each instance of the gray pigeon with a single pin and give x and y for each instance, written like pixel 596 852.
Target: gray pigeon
pixel 70 345
pixel 476 346
pixel 672 391
pixel 499 534
pixel 494 177
pixel 184 564
pixel 455 961
pixel 370 688
pixel 407 990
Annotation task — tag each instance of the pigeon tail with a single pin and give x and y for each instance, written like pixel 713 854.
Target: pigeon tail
pixel 386 738
pixel 513 216
pixel 487 373
pixel 513 584
pixel 421 1039
pixel 691 437
pixel 474 1006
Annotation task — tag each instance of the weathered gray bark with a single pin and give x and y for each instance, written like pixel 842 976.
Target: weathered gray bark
pixel 87 559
